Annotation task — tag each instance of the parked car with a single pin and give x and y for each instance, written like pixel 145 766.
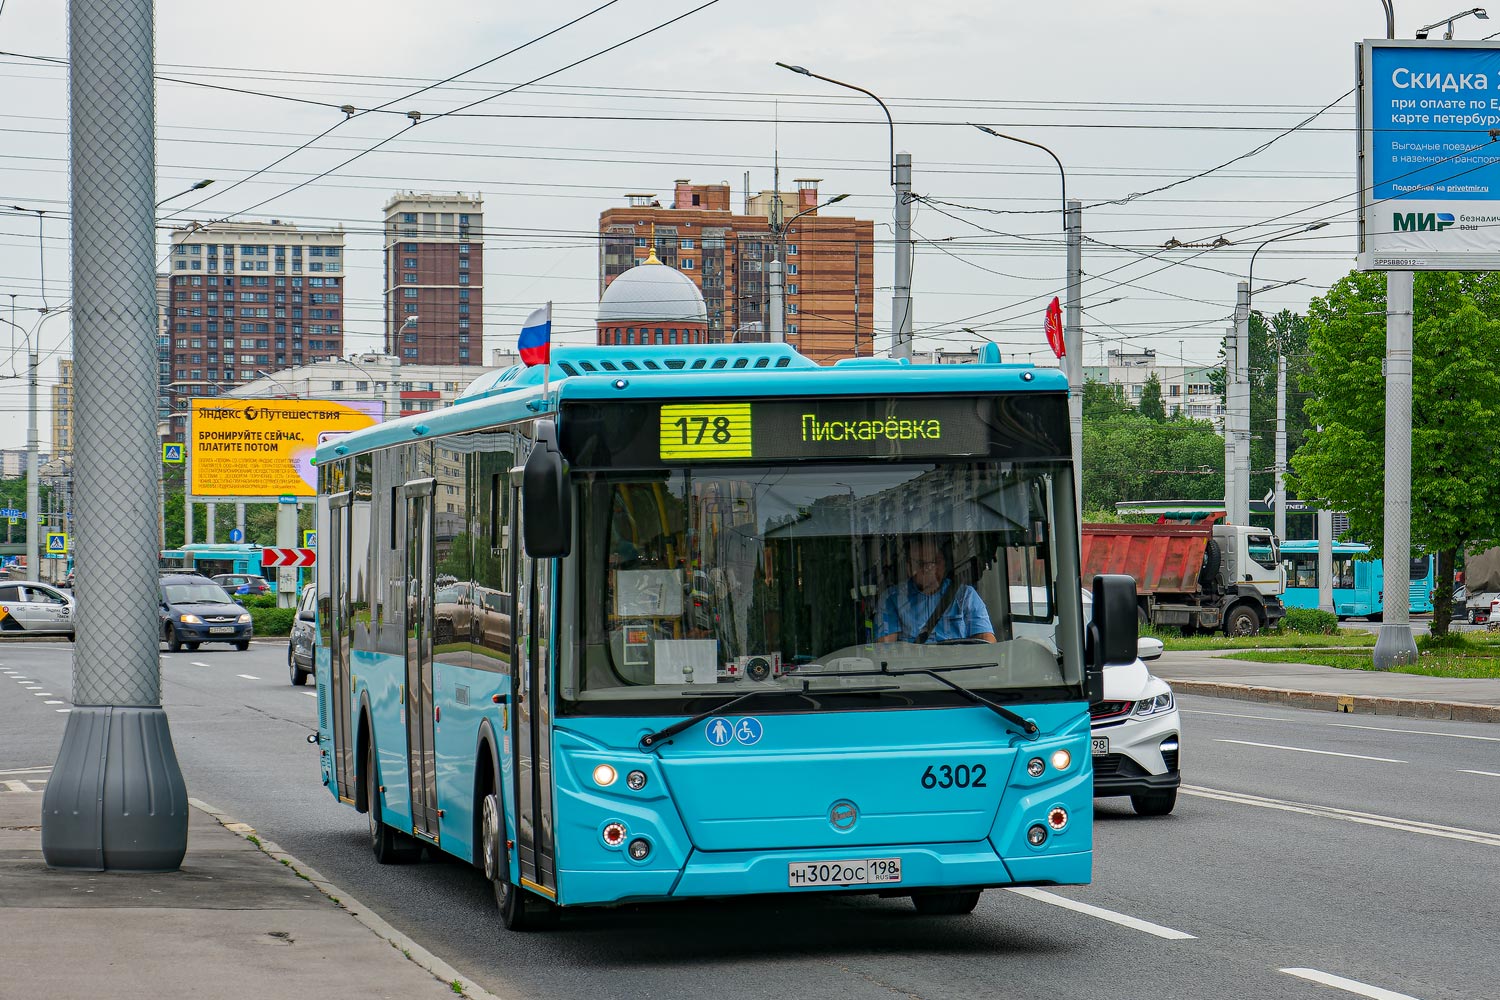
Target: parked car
pixel 30 608
pixel 299 649
pixel 242 583
pixel 194 610
pixel 1137 732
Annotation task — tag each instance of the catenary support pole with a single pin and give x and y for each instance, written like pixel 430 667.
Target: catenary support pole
pixel 1395 644
pixel 1279 487
pixel 1325 560
pixel 1241 408
pixel 33 487
pixel 1231 393
pixel 1072 362
pixel 901 323
pixel 212 534
pixel 115 799
pixel 775 326
pixel 286 538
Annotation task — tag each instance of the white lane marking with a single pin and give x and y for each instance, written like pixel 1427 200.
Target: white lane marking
pixel 311 694
pixel 1347 815
pixel 1487 774
pixel 1325 753
pixel 1123 919
pixel 199 663
pixel 65 710
pixel 52 703
pixel 17 786
pixel 1348 985
pixel 1416 732
pixel 42 694
pixel 1237 715
pixel 25 770
pixel 248 677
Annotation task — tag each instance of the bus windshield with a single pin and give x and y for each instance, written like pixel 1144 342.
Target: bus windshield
pixel 809 578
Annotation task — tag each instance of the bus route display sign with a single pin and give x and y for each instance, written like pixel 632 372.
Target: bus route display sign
pixel 263 448
pixel 644 434
pixel 1429 155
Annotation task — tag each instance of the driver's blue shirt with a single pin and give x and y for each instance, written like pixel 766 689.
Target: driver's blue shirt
pixel 904 609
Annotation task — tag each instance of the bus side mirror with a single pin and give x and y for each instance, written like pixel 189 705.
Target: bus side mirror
pixel 1112 632
pixel 547 504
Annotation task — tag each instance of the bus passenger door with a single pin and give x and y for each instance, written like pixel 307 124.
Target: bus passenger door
pixel 338 632
pixel 421 757
pixel 530 654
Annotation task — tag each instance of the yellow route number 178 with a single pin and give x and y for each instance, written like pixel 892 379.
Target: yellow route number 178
pixel 705 430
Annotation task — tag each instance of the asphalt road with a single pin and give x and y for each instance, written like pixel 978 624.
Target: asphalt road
pixel 1352 847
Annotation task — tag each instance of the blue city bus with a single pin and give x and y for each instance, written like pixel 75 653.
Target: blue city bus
pixel 613 637
pixel 213 559
pixel 1358 580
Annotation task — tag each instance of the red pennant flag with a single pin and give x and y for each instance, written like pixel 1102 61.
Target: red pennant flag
pixel 1054 328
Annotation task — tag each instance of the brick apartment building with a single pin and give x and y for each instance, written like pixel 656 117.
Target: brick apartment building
pixel 829 262
pixel 248 297
pixel 434 271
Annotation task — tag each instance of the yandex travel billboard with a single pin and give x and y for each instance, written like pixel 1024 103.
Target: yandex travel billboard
pixel 248 448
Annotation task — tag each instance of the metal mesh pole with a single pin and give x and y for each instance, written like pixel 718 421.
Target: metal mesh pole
pixel 116 798
pixel 1072 362
pixel 1395 644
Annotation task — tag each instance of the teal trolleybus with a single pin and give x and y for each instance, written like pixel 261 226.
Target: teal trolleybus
pixel 673 622
pixel 1358 580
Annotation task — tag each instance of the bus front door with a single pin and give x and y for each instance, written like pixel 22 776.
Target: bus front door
pixel 530 658
pixel 420 717
pixel 338 632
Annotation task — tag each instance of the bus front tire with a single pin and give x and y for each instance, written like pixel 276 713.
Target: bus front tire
pixel 519 909
pixel 390 846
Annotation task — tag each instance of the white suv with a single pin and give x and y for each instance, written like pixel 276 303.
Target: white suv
pixel 1137 732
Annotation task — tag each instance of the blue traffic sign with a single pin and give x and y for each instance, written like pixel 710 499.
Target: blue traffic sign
pixel 310 538
pixel 171 452
pixel 57 542
pixel 236 535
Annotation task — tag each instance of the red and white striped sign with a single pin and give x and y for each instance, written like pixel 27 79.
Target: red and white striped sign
pixel 272 558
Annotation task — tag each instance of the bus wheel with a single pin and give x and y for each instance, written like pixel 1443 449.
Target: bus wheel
pixel 946 904
pixel 519 910
pixel 391 847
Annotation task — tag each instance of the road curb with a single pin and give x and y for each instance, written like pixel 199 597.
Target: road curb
pixel 1355 704
pixel 423 958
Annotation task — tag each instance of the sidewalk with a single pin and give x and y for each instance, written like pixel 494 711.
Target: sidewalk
pixel 1303 685
pixel 233 923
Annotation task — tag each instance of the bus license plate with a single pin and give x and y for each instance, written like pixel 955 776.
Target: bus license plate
pixel 221 630
pixel 860 871
pixel 1101 745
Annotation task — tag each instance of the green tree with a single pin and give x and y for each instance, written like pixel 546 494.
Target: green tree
pixel 1150 405
pixel 1102 400
pixel 1283 334
pixel 1132 457
pixel 1455 487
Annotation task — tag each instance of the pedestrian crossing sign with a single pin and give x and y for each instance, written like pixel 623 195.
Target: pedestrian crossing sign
pixel 171 452
pixel 57 542
pixel 309 538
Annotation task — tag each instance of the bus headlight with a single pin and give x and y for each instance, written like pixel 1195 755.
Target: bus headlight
pixel 604 775
pixel 1061 759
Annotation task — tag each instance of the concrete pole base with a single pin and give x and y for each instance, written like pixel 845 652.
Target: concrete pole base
pixel 1394 646
pixel 115 800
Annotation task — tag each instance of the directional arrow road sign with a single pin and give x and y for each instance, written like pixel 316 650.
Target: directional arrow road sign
pixel 271 558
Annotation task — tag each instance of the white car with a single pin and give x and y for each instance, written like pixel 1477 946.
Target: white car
pixel 31 608
pixel 1137 732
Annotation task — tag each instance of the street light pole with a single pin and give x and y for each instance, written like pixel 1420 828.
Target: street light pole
pixel 775 319
pixel 390 347
pixel 901 310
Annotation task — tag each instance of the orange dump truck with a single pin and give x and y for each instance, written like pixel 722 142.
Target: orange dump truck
pixel 1197 576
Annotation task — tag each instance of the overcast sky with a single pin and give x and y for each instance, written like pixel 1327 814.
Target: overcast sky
pixel 1130 95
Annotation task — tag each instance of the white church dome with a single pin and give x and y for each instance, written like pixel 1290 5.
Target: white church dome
pixel 652 292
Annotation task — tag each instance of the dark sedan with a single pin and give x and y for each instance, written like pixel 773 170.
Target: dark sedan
pixel 194 610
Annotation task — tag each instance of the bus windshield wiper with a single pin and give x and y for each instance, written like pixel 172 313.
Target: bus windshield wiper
pixel 650 741
pixel 1026 726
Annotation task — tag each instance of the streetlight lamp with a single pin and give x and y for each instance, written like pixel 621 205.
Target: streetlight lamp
pixel 1279 470
pixel 1478 12
pixel 776 320
pixel 390 345
pixel 196 187
pixel 901 320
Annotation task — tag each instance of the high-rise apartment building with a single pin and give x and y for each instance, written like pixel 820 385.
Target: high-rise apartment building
pixel 62 409
pixel 829 262
pixel 249 297
pixel 434 279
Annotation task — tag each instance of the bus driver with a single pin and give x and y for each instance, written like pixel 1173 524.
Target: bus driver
pixel 930 607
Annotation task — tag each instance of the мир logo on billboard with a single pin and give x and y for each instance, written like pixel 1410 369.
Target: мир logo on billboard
pixel 1421 222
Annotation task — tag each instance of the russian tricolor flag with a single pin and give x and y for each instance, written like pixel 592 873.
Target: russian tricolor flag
pixel 536 337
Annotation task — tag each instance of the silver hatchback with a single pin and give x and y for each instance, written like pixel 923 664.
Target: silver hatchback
pixel 30 608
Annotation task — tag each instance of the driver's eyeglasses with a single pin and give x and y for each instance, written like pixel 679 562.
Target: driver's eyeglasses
pixel 926 563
